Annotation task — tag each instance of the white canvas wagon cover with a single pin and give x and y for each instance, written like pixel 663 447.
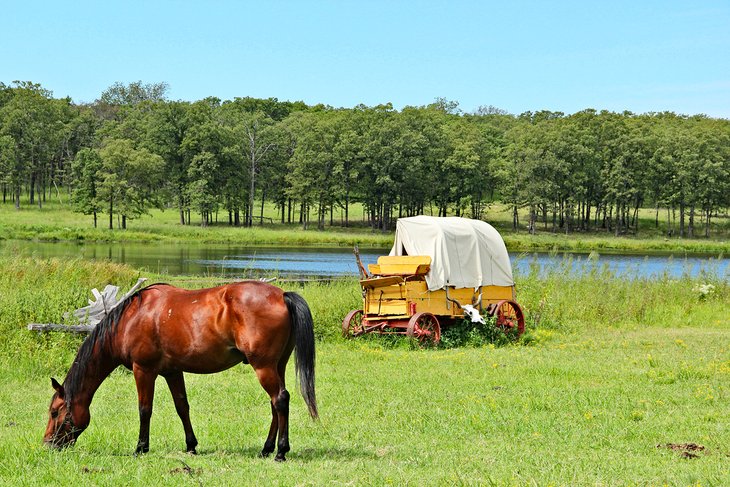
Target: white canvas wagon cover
pixel 464 252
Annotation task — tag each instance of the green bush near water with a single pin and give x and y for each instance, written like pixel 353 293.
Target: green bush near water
pixel 618 369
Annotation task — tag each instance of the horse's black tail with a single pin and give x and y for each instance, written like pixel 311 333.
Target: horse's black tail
pixel 303 329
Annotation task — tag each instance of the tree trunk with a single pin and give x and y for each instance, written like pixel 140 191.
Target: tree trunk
pixel 533 219
pixel 111 214
pixel 263 198
pixel 41 192
pixel 347 208
pixel 681 219
pixel 32 188
pixel 670 231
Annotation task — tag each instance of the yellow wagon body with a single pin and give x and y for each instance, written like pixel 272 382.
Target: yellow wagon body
pixel 398 289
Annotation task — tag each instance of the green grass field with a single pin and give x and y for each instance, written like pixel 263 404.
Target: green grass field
pixel 616 371
pixel 593 409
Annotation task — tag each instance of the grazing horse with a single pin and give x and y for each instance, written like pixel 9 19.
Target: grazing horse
pixel 164 330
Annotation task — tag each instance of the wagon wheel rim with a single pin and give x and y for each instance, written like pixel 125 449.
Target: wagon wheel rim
pixel 509 316
pixel 352 324
pixel 425 328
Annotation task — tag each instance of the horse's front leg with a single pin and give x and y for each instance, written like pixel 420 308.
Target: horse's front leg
pixel 145 394
pixel 176 382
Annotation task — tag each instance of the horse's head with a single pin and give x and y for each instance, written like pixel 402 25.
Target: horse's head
pixel 61 430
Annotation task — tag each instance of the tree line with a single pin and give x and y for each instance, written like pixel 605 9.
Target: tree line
pixel 133 149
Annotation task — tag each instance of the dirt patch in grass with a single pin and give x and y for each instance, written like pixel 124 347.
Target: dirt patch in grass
pixel 685 450
pixel 186 469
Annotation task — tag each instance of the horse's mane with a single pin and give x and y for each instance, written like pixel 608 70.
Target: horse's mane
pixel 100 335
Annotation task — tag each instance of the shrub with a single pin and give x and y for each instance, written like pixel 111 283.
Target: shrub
pixel 465 333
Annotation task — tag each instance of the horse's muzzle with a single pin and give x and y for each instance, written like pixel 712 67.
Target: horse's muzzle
pixel 57 445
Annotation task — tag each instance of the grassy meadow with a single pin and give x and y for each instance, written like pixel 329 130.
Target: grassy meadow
pixel 618 382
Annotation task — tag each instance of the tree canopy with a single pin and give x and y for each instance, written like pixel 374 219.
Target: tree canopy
pixel 133 149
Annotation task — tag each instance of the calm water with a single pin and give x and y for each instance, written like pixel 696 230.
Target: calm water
pixel 249 262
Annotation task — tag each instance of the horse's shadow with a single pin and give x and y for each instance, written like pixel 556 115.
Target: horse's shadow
pixel 296 455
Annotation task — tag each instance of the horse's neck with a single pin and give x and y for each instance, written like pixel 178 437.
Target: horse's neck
pixel 97 368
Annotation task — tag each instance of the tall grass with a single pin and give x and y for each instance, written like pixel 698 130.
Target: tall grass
pixel 40 291
pixel 598 298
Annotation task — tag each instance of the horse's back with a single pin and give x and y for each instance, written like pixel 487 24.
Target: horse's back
pixel 206 330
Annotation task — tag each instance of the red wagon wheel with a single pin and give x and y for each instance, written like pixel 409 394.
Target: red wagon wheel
pixel 509 316
pixel 352 324
pixel 425 328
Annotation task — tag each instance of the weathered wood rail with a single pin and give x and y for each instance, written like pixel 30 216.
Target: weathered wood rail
pixel 56 327
pixel 88 316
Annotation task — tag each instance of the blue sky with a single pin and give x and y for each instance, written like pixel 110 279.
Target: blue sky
pixel 636 55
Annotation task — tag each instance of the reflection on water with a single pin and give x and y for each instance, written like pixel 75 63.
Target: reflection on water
pixel 252 262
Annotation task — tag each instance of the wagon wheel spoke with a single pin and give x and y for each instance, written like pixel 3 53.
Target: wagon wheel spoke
pixel 425 328
pixel 509 316
pixel 352 325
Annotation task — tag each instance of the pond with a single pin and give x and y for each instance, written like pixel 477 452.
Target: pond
pixel 234 262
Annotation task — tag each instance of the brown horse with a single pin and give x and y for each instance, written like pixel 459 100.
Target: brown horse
pixel 163 330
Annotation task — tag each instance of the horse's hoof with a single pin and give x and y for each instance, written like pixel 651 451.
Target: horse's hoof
pixel 280 458
pixel 141 450
pixel 192 452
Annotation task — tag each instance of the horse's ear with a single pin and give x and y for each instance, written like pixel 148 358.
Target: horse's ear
pixel 57 386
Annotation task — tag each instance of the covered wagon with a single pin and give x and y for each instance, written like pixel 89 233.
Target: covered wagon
pixel 438 270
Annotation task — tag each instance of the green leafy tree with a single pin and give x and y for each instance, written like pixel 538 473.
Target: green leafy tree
pixel 11 169
pixel 203 176
pixel 128 179
pixel 85 173
pixel 314 169
pixel 33 120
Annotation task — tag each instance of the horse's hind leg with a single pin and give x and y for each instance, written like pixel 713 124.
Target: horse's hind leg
pixel 273 384
pixel 270 444
pixel 176 382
